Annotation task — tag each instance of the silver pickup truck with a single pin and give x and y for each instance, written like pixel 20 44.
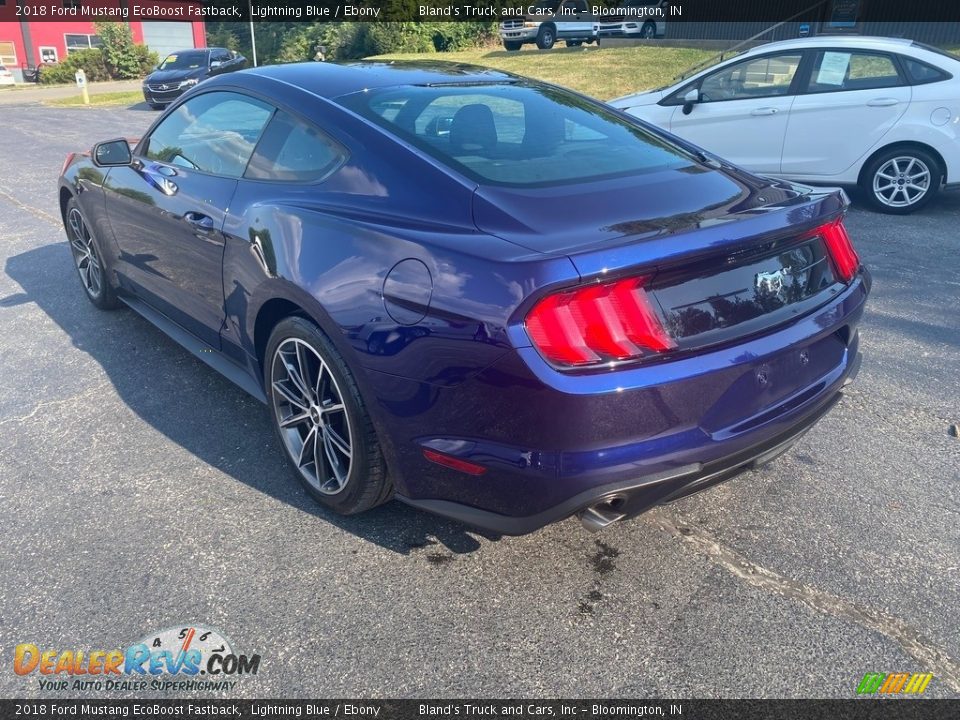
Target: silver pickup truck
pixel 549 21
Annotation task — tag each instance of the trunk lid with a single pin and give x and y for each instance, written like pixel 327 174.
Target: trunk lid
pixel 726 254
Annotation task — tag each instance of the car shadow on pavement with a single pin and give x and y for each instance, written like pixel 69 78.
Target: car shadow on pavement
pixel 143 107
pixel 201 411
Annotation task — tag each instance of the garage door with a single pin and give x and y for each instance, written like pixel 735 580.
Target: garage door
pixel 167 37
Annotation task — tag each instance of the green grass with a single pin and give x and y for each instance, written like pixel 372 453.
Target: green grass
pixel 129 97
pixel 603 73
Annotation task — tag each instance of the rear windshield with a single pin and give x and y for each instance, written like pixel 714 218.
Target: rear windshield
pixel 517 134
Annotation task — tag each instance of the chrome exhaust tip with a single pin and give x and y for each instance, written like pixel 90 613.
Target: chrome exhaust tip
pixel 597 516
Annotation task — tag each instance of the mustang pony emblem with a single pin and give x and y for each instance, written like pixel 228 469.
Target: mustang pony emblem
pixel 771 282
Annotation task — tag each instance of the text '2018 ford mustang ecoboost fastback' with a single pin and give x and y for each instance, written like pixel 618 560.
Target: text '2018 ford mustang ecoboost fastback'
pixel 491 298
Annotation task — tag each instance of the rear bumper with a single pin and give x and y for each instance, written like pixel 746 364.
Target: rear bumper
pixel 554 445
pixel 600 506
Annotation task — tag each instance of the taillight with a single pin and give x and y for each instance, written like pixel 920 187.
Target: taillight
pixel 845 258
pixel 597 323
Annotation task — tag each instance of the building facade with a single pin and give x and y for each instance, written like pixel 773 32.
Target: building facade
pixel 46 31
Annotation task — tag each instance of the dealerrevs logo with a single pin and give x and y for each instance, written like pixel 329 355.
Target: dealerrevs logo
pixel 178 658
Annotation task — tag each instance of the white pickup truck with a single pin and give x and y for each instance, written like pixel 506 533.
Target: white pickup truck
pixel 549 21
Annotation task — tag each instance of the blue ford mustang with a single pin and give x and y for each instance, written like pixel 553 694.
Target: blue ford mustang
pixel 488 297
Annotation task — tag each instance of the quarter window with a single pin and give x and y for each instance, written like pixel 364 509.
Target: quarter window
pixel 835 70
pixel 295 151
pixel 921 73
pixel 767 76
pixel 215 133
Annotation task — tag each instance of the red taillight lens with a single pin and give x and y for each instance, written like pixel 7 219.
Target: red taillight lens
pixel 597 323
pixel 845 258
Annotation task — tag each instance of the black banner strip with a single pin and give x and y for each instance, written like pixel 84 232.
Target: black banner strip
pixel 839 14
pixel 901 708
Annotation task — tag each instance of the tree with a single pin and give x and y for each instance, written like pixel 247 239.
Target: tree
pixel 120 54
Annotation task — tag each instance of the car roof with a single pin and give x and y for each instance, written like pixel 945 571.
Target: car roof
pixel 330 80
pixel 859 41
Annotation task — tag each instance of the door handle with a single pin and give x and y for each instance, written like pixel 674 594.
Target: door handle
pixel 199 220
pixel 765 111
pixel 161 180
pixel 882 102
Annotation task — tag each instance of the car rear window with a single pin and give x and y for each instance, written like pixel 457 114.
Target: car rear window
pixel 517 134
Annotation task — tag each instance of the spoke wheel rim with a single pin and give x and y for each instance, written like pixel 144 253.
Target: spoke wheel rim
pixel 85 255
pixel 311 415
pixel 902 181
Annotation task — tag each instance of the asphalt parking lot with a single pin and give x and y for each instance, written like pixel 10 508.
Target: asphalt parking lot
pixel 139 490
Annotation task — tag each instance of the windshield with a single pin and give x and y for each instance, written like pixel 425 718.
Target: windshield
pixel 517 134
pixel 184 61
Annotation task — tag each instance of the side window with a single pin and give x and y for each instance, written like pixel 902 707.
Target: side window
pixel 295 151
pixel 835 70
pixel 767 76
pixel 920 73
pixel 215 133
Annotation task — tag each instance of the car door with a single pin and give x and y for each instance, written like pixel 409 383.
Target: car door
pixel 848 102
pixel 219 61
pixel 742 111
pixel 574 19
pixel 167 209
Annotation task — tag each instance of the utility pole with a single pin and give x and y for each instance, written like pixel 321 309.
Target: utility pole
pixel 253 36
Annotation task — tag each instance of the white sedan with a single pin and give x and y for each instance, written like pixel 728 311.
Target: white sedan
pixel 881 113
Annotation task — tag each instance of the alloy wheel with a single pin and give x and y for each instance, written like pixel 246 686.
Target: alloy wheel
pixel 312 416
pixel 901 181
pixel 85 254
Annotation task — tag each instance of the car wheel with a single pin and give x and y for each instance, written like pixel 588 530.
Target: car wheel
pixel 901 180
pixel 574 43
pixel 154 106
pixel 648 31
pixel 321 420
pixel 88 258
pixel 512 45
pixel 546 38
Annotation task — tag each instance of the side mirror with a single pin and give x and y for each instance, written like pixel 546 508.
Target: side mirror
pixel 214 64
pixel 690 99
pixel 112 153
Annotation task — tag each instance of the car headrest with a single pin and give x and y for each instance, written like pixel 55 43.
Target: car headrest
pixel 473 130
pixel 543 133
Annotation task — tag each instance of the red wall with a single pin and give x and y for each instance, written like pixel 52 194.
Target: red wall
pixel 49 25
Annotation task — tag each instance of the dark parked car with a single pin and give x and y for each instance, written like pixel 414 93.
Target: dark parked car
pixel 181 70
pixel 490 298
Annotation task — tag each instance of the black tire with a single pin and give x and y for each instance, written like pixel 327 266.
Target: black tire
pixel 512 45
pixel 546 37
pixel 901 180
pixel 648 31
pixel 574 43
pixel 154 106
pixel 88 258
pixel 365 483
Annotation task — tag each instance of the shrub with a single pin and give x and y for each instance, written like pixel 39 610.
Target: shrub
pixel 90 61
